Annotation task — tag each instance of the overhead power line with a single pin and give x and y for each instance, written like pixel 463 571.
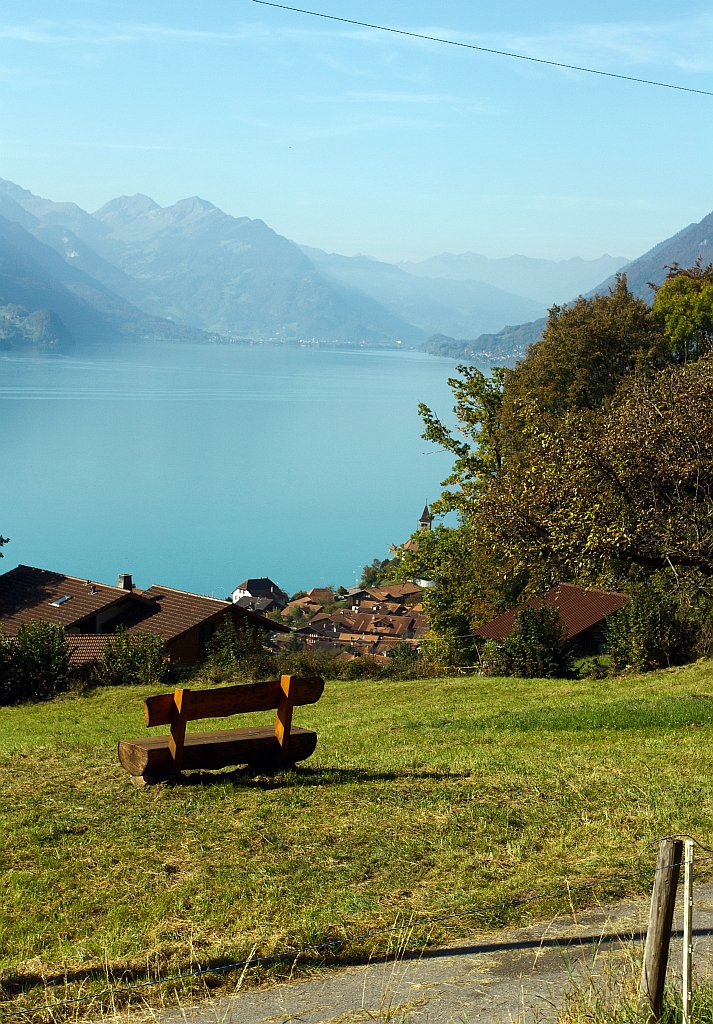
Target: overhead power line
pixel 482 49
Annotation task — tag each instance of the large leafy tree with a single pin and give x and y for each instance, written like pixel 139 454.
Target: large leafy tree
pixel 683 310
pixel 585 350
pixel 615 503
pixel 590 461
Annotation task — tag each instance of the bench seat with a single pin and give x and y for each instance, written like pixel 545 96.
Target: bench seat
pixel 151 756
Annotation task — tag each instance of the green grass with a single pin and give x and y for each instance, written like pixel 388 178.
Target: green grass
pixel 423 798
pixel 606 991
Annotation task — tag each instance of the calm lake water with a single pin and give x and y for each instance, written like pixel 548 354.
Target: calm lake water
pixel 196 467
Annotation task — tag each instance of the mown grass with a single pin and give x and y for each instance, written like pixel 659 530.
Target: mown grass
pixel 423 798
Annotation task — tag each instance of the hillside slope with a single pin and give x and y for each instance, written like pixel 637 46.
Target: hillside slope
pixel 507 345
pixel 201 267
pixel 34 277
pixel 511 343
pixel 684 248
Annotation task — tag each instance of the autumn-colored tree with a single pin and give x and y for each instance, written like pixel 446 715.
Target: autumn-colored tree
pixel 586 348
pixel 633 496
pixel 591 461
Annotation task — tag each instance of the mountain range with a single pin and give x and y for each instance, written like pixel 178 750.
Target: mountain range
pixel 543 281
pixel 685 247
pixel 192 273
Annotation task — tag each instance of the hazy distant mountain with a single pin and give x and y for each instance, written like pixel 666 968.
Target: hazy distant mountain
pixel 47 212
pixel 198 266
pixel 142 270
pixel 78 254
pixel 235 275
pixel 684 248
pixel 507 345
pixel 34 278
pixel 545 281
pixel 511 343
pixel 433 304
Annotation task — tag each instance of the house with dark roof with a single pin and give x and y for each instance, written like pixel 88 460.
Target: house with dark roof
pixel 582 612
pixel 260 589
pixel 89 611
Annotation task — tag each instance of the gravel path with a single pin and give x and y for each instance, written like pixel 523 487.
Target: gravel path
pixel 518 974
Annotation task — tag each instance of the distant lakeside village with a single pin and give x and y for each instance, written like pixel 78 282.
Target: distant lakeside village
pixel 362 621
pixel 372 623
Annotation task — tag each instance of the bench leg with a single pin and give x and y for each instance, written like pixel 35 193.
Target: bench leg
pixel 181 700
pixel 283 724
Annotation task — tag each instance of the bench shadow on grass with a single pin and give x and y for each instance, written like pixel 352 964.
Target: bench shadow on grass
pixel 214 971
pixel 269 777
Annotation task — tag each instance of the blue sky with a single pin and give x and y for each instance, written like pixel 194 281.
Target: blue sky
pixel 358 141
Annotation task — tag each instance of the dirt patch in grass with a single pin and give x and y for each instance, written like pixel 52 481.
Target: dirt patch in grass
pixel 423 798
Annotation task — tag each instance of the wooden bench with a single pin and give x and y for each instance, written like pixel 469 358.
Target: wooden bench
pixel 155 759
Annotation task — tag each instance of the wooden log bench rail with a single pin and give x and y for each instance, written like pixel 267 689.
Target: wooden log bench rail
pixel 156 759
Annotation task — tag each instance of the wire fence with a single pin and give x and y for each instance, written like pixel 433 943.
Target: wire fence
pixel 295 952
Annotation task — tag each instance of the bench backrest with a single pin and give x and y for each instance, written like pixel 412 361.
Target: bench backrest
pixel 184 705
pixel 233 700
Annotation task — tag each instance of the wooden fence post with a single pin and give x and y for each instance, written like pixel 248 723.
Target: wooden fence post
pixel 658 934
pixel 687 972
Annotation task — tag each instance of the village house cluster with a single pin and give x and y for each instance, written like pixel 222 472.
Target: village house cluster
pixel 372 622
pixel 349 623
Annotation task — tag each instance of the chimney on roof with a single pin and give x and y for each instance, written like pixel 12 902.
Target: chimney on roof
pixel 125 581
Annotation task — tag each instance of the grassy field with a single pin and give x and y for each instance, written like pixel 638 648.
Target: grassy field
pixel 423 798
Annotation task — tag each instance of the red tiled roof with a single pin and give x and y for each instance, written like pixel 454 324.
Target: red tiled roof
pixel 579 610
pixel 397 591
pixel 87 647
pixel 177 611
pixel 27 594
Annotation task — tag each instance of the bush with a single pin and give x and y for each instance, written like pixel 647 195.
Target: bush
pixel 537 648
pixel 593 668
pixel 653 631
pixel 133 658
pixel 34 665
pixel 238 647
pixel 404 657
pixel 450 646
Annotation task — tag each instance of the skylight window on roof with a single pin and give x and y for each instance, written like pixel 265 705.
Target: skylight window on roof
pixel 61 600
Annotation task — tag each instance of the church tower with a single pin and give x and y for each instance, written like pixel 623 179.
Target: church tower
pixel 424 522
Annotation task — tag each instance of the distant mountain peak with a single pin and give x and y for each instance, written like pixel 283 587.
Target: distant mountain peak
pixel 684 248
pixel 126 208
pixel 545 281
pixel 194 203
pixel 140 216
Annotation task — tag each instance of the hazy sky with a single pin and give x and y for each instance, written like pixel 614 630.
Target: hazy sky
pixel 357 141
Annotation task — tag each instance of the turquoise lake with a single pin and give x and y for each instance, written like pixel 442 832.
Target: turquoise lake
pixel 196 467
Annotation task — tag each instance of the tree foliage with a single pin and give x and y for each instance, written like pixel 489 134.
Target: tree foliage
pixel 585 350
pixel 237 646
pixel 133 658
pixel 683 310
pixel 653 631
pixel 590 462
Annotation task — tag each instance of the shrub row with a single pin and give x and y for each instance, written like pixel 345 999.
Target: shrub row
pixel 36 663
